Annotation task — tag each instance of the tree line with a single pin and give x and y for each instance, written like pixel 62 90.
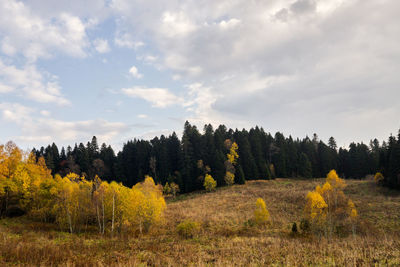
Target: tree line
pixel 188 160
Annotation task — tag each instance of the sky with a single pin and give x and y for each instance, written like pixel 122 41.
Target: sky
pixel 124 69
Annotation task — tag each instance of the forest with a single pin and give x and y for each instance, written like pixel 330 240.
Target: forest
pixel 261 155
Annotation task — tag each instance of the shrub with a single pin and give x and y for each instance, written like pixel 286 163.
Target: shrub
pixel 188 228
pixel 328 209
pixel 378 178
pixel 305 225
pixel 171 189
pixel 229 178
pixel 209 183
pixel 294 228
pixel 261 214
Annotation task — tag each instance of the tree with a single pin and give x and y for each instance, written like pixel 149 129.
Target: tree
pixel 148 204
pixel 229 178
pixel 332 143
pixel 261 214
pixel 305 168
pixel 378 178
pixel 327 206
pixel 239 177
pixel 209 183
pixel 316 208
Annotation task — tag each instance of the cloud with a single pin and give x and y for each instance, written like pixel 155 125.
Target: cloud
pixel 39 127
pixel 5 88
pixel 101 46
pixel 135 73
pixel 142 116
pixel 35 36
pixel 126 40
pixel 29 83
pixel 158 97
pixel 287 65
pixel 176 23
pixel 45 113
pixel 226 25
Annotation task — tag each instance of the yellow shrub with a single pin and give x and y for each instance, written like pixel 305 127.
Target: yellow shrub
pixel 261 214
pixel 316 207
pixel 328 206
pixel 378 177
pixel 188 228
pixel 209 183
pixel 229 178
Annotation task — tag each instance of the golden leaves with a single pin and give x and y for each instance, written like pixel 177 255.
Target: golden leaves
pixel 261 214
pixel 209 183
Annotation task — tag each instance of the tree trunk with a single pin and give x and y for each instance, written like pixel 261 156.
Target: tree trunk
pixel 113 212
pixel 102 203
pixel 98 217
pixel 69 220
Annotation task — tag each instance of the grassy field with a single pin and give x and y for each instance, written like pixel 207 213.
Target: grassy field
pixel 224 238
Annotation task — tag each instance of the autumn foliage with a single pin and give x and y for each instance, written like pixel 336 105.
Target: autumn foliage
pixel 327 207
pixel 232 157
pixel 209 183
pixel 261 214
pixel 378 178
pixel 73 202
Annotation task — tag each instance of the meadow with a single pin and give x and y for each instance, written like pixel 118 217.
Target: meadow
pixel 225 236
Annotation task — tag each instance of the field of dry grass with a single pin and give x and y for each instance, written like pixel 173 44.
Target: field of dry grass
pixel 224 238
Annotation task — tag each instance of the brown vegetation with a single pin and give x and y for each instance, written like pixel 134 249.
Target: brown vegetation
pixel 225 237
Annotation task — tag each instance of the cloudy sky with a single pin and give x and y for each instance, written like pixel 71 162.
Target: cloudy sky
pixel 120 69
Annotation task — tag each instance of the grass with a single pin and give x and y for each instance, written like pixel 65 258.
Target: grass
pixel 224 238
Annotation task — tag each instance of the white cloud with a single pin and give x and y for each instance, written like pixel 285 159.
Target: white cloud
pixel 126 40
pixel 230 24
pixel 35 36
pixel 29 83
pixel 176 24
pixel 288 65
pixel 142 116
pixel 45 113
pixel 135 72
pixel 101 46
pixel 5 88
pixel 158 97
pixel 41 128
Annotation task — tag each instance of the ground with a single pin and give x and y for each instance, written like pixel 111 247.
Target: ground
pixel 225 237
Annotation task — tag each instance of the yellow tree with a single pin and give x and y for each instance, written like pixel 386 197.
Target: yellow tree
pixel 113 196
pixel 209 183
pixel 73 201
pixel 10 159
pixel 261 214
pixel 328 205
pixel 232 157
pixel 150 203
pixel 378 178
pixel 316 208
pixel 229 178
pixel 99 201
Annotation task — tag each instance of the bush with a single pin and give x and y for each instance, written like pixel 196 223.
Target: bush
pixel 209 183
pixel 229 178
pixel 261 214
pixel 188 228
pixel 294 228
pixel 328 207
pixel 378 178
pixel 305 225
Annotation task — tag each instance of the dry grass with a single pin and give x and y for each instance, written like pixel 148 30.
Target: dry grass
pixel 224 239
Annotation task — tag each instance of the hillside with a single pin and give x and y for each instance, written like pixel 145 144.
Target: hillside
pixel 224 237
